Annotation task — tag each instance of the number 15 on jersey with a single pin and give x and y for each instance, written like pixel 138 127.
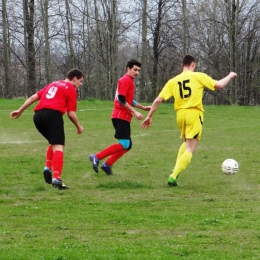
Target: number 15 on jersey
pixel 185 90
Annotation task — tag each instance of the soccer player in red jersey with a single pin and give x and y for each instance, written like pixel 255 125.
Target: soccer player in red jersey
pixel 55 99
pixel 122 114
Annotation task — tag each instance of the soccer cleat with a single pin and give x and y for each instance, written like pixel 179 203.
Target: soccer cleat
pixel 95 161
pixel 47 175
pixel 59 184
pixel 172 182
pixel 107 169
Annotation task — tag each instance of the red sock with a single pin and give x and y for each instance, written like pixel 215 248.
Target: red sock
pixel 114 157
pixel 57 163
pixel 114 148
pixel 49 156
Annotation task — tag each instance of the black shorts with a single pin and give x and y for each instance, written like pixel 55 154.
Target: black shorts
pixel 50 124
pixel 122 128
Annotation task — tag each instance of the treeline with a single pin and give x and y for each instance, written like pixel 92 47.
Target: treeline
pixel 41 40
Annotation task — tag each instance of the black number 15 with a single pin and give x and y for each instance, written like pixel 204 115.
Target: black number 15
pixel 182 87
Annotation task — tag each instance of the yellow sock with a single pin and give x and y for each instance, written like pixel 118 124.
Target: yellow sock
pixel 181 151
pixel 181 164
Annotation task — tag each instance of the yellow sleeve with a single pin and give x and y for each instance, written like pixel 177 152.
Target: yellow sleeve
pixel 205 80
pixel 167 91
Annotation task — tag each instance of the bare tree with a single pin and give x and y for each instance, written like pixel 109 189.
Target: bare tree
pixel 42 39
pixel 47 56
pixel 144 53
pixel 185 27
pixel 232 21
pixel 28 6
pixel 99 52
pixel 248 89
pixel 69 20
pixel 6 49
pixel 111 9
pixel 159 20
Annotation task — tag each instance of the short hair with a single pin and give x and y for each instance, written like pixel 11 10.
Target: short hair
pixel 130 64
pixel 187 60
pixel 74 73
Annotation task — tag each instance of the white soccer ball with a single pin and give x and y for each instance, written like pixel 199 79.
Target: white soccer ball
pixel 229 166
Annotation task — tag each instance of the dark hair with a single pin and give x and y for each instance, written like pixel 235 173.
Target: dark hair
pixel 74 73
pixel 130 64
pixel 187 60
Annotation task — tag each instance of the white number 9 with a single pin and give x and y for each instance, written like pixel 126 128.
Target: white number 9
pixel 51 92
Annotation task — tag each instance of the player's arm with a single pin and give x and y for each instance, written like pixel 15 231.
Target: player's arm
pixel 123 102
pixel 73 118
pixel 223 82
pixel 148 121
pixel 15 114
pixel 140 106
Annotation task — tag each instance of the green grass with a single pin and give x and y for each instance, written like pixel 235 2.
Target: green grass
pixel 132 215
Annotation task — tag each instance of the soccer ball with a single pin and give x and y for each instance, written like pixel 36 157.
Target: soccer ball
pixel 229 166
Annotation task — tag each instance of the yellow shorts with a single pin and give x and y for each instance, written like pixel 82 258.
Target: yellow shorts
pixel 190 122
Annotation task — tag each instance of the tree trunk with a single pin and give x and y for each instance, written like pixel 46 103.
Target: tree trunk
pixel 232 31
pixel 7 90
pixel 185 28
pixel 143 76
pixel 30 47
pixel 98 48
pixel 71 61
pixel 156 42
pixel 47 56
pixel 112 48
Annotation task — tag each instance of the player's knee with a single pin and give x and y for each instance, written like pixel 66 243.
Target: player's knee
pixel 125 143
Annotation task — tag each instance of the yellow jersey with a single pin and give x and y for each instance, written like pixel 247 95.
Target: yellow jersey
pixel 187 89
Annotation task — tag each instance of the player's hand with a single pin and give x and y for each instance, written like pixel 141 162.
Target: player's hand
pixel 15 114
pixel 232 75
pixel 80 130
pixel 146 123
pixel 138 115
pixel 147 108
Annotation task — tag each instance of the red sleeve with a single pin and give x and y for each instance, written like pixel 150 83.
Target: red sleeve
pixel 72 100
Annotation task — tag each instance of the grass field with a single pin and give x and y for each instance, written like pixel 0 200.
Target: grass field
pixel 132 215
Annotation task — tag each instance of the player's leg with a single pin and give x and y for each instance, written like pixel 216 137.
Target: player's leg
pixel 114 148
pixel 58 160
pixel 56 137
pixel 39 119
pixel 108 151
pixel 180 118
pixel 116 156
pixel 107 165
pixel 181 151
pixel 185 158
pixel 47 171
pixel 49 156
pixel 122 133
pixel 191 127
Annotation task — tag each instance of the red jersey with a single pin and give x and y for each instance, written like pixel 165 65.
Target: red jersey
pixel 125 87
pixel 59 95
